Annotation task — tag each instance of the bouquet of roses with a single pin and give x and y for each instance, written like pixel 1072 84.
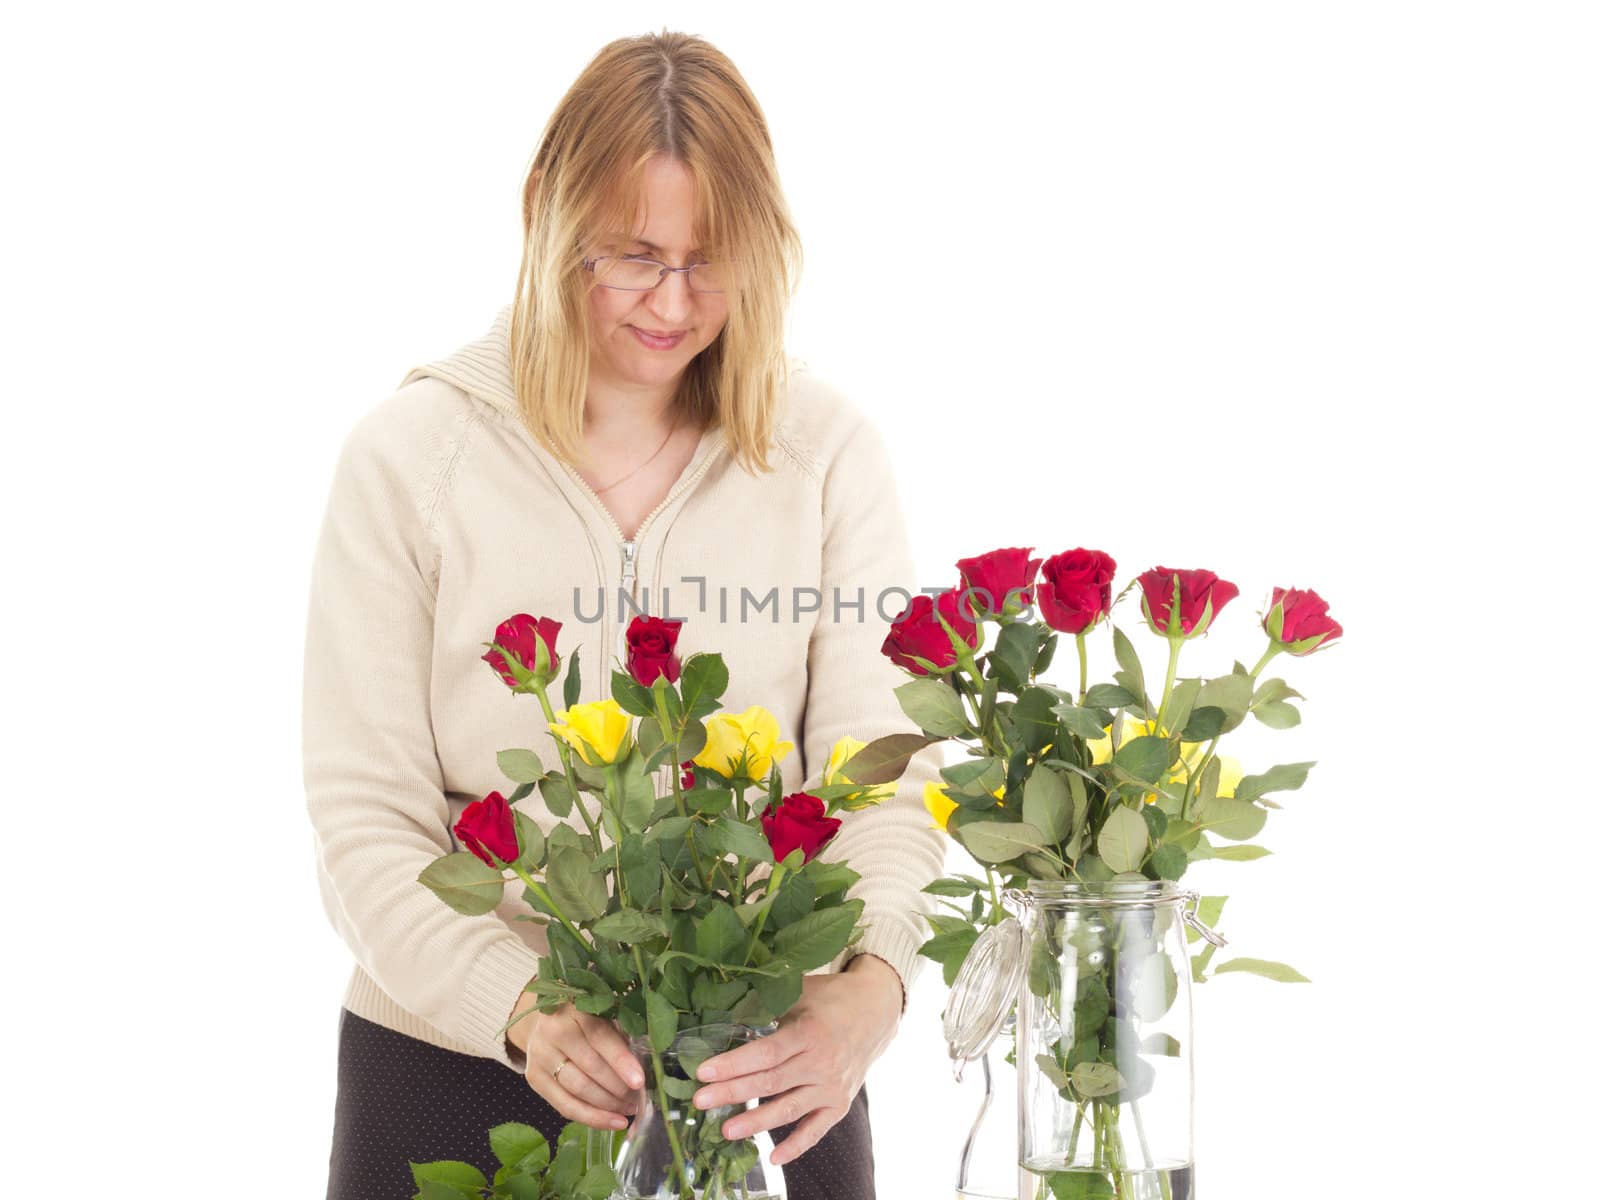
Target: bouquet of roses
pixel 1095 795
pixel 668 908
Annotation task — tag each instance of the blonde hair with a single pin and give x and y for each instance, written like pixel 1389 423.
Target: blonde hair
pixel 661 94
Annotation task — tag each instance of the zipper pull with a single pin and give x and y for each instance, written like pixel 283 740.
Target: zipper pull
pixel 627 565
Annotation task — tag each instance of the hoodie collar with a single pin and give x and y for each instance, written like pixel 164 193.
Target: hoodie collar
pixel 481 368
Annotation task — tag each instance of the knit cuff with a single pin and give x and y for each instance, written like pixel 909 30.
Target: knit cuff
pixel 495 982
pixel 893 942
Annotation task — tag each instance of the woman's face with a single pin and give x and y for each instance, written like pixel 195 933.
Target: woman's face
pixel 620 353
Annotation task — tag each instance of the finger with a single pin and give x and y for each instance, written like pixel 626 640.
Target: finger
pixel 581 1085
pixel 807 1135
pixel 780 1110
pixel 610 1045
pixel 572 1039
pixel 568 1105
pixel 760 1055
pixel 757 1085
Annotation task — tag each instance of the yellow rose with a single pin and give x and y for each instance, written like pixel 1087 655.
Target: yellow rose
pixel 751 735
pixel 598 731
pixel 843 751
pixel 939 805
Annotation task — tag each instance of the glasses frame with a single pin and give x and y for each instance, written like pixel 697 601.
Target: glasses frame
pixel 589 265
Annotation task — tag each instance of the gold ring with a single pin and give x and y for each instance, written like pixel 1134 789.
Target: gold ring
pixel 557 1072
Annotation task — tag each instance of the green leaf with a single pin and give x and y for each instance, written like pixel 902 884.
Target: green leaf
pixel 628 926
pixel 729 835
pixel 631 695
pixel 1086 723
pixel 516 1144
pixel 1109 695
pixel 1285 778
pixel 703 678
pixel 1169 862
pixel 1240 853
pixel 1181 703
pixel 1231 693
pixel 1277 716
pixel 1123 839
pixel 1281 972
pixel 1204 723
pixel 520 766
pixel 1132 674
pixel 663 1020
pixel 950 950
pixel 817 938
pixel 780 992
pixel 976 778
pixel 720 937
pixel 1236 820
pixel 1014 652
pixel 580 894
pixel 963 885
pixel 830 877
pixel 465 882
pixel 1144 758
pixel 1274 691
pixel 1047 805
pixel 1091 1079
pixel 796 897
pixel 557 794
pixel 460 1175
pixel 932 704
pixel 1000 841
pixel 1087 1184
pixel 1033 718
pixel 572 686
pixel 530 842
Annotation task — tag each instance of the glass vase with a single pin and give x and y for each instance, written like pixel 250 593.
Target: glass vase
pixel 988 1168
pixel 1105 1040
pixel 675 1151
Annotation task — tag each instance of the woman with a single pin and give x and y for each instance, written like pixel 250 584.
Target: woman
pixel 629 428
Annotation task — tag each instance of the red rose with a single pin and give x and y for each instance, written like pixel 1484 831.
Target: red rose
pixel 687 781
pixel 652 642
pixel 916 632
pixel 1299 620
pixel 1075 592
pixel 1201 596
pixel 801 821
pixel 488 825
pixel 999 580
pixel 525 639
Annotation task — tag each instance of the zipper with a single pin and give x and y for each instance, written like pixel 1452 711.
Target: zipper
pixel 629 546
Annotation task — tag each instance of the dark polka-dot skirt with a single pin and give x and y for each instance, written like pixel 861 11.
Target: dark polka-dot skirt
pixel 401 1101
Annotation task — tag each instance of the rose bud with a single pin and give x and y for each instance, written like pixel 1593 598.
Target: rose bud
pixel 1201 596
pixel 524 652
pixel 486 826
pixel 686 781
pixel 800 822
pixel 1075 592
pixel 998 584
pixel 917 641
pixel 1299 621
pixel 652 646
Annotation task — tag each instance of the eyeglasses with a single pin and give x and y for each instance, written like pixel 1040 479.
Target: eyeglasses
pixel 631 273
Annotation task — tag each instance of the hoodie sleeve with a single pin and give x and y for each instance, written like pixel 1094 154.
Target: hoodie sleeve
pixel 374 787
pixel 865 554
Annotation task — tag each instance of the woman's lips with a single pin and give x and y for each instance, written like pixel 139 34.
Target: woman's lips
pixel 657 343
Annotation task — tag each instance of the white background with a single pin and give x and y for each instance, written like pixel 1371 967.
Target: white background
pixel 1305 294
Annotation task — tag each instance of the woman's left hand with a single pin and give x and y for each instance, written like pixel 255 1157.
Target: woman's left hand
pixel 810 1069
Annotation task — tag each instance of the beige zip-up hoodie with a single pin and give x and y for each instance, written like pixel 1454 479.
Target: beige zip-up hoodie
pixel 445 517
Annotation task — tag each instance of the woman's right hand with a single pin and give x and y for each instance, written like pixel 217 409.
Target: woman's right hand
pixel 580 1064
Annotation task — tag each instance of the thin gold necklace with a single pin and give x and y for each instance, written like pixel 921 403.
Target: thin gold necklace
pixel 646 462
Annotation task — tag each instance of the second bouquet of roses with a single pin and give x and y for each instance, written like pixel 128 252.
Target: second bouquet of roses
pixel 681 888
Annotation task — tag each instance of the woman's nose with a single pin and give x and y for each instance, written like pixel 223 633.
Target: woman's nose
pixel 671 299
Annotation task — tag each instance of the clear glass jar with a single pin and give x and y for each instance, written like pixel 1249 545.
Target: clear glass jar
pixel 1105 1031
pixel 673 1149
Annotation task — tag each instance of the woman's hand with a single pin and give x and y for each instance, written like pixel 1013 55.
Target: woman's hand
pixel 810 1069
pixel 580 1064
